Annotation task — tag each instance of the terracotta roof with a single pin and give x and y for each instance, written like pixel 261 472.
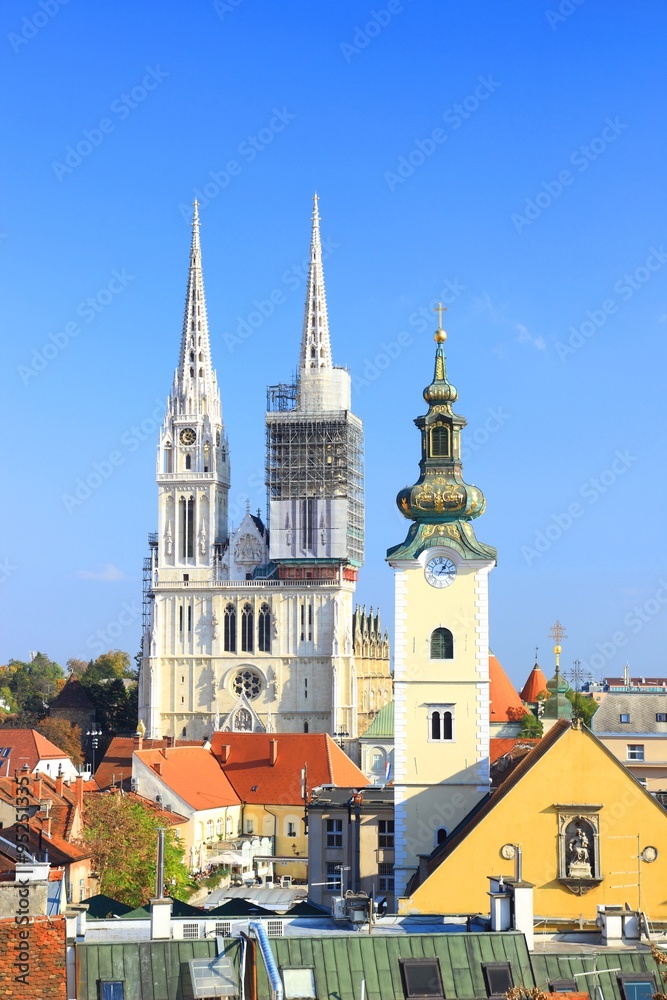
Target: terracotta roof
pixel 61 852
pixel 535 685
pixel 486 805
pixel 118 758
pixel 500 747
pixel 25 746
pixel 193 774
pixel 256 780
pixel 506 705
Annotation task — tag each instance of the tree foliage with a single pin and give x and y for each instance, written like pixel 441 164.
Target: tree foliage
pixel 32 685
pixel 64 735
pixel 122 834
pixel 108 667
pixel 584 706
pixel 531 727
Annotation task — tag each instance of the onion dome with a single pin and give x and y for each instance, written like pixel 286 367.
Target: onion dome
pixel 558 705
pixel 440 494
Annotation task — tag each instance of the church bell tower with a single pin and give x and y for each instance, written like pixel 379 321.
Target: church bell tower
pixel 441 672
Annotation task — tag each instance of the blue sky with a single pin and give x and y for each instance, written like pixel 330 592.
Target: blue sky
pixel 507 157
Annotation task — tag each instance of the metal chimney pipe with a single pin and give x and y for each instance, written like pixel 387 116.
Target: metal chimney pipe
pixel 159 877
pixel 519 864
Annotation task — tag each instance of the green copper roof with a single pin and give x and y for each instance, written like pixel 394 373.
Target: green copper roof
pixel 382 726
pixel 441 502
pixel 557 705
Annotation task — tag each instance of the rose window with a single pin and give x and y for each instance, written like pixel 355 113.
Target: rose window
pixel 247 682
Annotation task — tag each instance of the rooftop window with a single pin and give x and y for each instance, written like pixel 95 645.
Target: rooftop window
pixel 498 978
pixel 421 978
pixel 624 717
pixel 637 987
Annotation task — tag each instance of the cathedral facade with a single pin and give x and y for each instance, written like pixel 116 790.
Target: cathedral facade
pixel 256 630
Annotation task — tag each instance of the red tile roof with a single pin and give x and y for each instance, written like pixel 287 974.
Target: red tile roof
pixel 116 765
pixel 25 746
pixel 535 685
pixel 248 765
pixel 500 747
pixel 506 705
pixel 193 774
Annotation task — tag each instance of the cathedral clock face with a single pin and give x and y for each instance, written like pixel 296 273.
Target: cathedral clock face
pixel 188 436
pixel 440 571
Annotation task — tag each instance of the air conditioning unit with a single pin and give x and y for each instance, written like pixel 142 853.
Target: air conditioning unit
pixel 339 908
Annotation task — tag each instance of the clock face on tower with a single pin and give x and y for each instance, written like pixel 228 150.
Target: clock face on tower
pixel 440 571
pixel 188 436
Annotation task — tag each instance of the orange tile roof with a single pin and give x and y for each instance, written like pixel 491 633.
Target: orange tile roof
pixel 193 774
pixel 506 705
pixel 118 758
pixel 255 779
pixel 500 747
pixel 25 746
pixel 535 685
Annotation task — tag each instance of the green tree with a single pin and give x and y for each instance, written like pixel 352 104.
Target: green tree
pixel 531 727
pixel 33 685
pixel 107 667
pixel 64 735
pixel 121 832
pixel 584 706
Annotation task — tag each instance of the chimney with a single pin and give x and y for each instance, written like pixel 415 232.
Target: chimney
pixel 163 751
pixel 158 767
pixel 46 826
pixel 78 791
pixel 138 741
pixel 171 741
pixel 60 784
pixel 225 751
pixel 273 751
pixel 37 787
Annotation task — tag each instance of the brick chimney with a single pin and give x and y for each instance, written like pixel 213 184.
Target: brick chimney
pixel 60 784
pixel 46 826
pixel 78 791
pixel 225 751
pixel 158 767
pixel 138 741
pixel 273 751
pixel 37 787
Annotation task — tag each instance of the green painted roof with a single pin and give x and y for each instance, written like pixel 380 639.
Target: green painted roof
pixel 382 726
pixel 340 962
pixel 152 970
pixel 561 966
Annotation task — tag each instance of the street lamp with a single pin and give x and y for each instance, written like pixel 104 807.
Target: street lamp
pixel 93 735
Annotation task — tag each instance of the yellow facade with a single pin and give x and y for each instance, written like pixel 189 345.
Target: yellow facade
pixel 285 823
pixel 576 776
pixel 438 780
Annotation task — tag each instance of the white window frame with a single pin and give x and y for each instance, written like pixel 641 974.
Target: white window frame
pixel 441 708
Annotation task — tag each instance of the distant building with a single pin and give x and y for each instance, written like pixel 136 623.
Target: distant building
pixel 27 749
pixel 73 705
pixel 634 727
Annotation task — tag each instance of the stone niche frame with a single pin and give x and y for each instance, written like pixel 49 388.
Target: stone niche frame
pixel 589 816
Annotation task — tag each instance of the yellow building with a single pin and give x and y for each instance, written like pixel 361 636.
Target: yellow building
pixel 441 655
pixel 590 835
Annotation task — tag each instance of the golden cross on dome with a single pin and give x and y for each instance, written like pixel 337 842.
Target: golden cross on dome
pixel 440 309
pixel 557 632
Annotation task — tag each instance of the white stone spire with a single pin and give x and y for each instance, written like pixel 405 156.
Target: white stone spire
pixel 194 378
pixel 315 344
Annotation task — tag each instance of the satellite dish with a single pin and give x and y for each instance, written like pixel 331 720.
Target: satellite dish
pixel 507 851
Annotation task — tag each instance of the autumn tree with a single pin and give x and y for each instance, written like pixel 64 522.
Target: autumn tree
pixel 121 833
pixel 32 685
pixel 109 666
pixel 65 736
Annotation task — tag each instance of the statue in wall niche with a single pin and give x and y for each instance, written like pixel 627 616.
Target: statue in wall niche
pixel 243 721
pixel 289 534
pixel 579 852
pixel 202 538
pixel 169 539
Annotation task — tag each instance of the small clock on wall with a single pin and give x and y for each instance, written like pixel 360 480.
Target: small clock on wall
pixel 440 571
pixel 188 435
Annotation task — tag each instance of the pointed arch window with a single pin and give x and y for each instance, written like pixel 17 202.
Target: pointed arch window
pixel 442 644
pixel 440 441
pixel 186 527
pixel 264 629
pixel 230 629
pixel 247 629
pixel 168 457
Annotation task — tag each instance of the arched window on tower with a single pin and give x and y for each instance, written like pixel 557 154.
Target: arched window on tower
pixel 230 629
pixel 442 644
pixel 264 629
pixel 168 457
pixel 435 726
pixel 188 462
pixel 247 627
pixel 447 729
pixel 440 445
pixel 186 527
pixel 441 724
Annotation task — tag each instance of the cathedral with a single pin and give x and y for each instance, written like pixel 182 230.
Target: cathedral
pixel 257 630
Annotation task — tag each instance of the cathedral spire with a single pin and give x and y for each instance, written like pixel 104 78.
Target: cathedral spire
pixel 195 371
pixel 315 343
